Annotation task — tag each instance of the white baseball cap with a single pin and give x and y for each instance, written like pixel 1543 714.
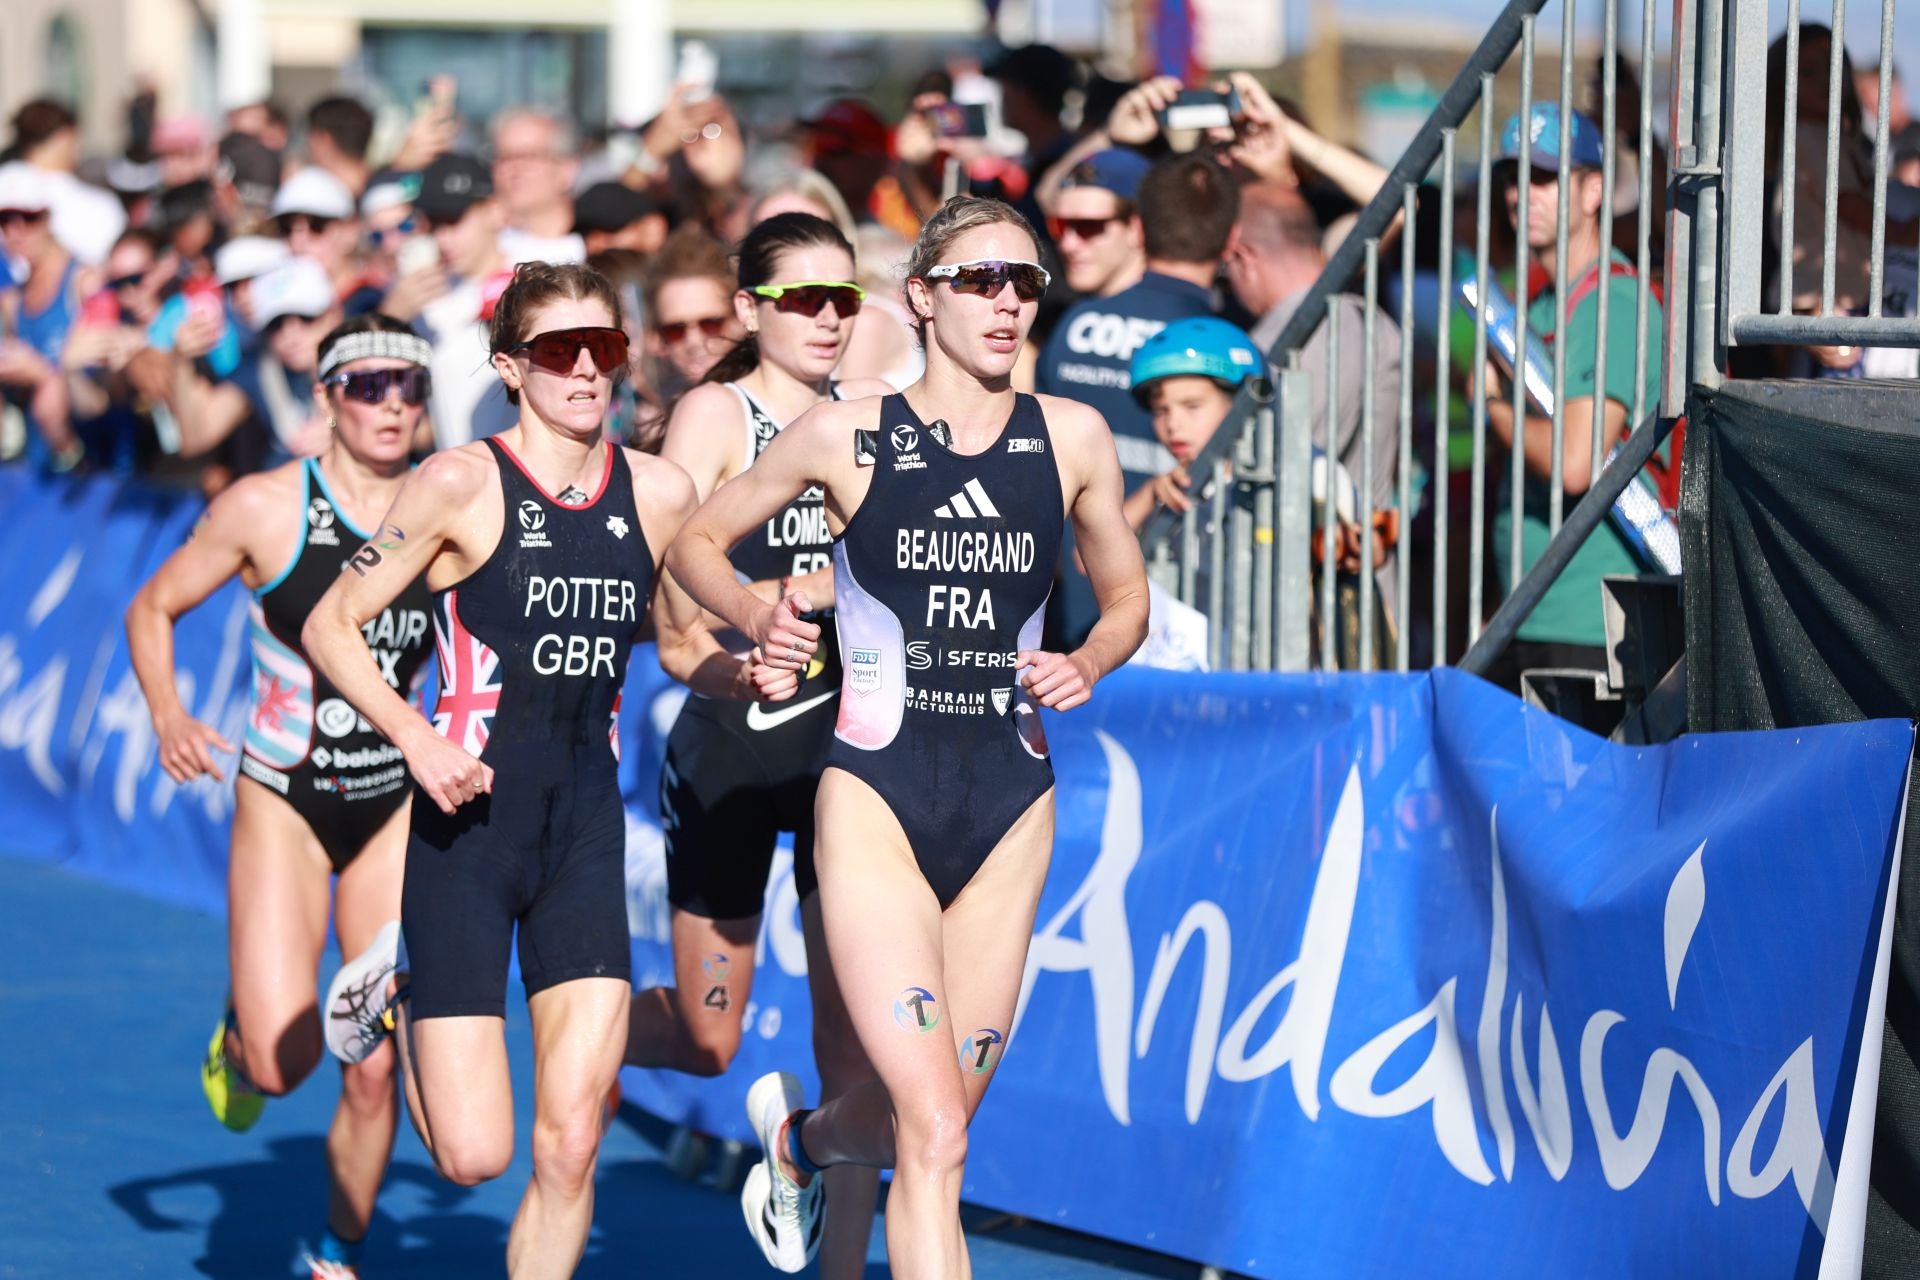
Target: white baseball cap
pixel 24 187
pixel 314 192
pixel 245 257
pixel 297 287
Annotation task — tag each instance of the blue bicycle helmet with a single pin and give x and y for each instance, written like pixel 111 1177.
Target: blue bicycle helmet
pixel 1198 346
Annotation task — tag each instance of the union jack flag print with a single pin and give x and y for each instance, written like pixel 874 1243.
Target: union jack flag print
pixel 469 680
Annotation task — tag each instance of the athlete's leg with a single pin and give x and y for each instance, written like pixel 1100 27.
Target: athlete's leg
pixel 277 882
pixel 986 932
pixel 458 1091
pixel 843 1065
pixel 694 1025
pixel 360 1141
pixel 579 1032
pixel 884 936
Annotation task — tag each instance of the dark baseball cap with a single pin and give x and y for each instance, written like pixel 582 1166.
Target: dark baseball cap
pixel 252 167
pixel 451 185
pixel 611 206
pixel 1115 169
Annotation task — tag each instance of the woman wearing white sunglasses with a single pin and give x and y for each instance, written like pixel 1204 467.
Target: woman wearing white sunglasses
pixel 934 815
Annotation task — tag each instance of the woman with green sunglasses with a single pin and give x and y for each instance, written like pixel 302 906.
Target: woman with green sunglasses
pixel 740 772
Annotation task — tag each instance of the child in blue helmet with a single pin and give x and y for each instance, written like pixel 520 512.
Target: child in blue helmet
pixel 1186 376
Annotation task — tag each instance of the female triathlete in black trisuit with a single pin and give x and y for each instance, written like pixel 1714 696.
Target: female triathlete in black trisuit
pixel 738 771
pixel 541 546
pixel 321 794
pixel 934 816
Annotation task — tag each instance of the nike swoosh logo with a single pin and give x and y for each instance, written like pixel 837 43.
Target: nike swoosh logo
pixel 758 718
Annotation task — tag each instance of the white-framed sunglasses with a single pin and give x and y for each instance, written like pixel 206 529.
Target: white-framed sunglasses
pixel 988 276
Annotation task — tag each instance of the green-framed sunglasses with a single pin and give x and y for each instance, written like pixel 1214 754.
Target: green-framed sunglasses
pixel 806 297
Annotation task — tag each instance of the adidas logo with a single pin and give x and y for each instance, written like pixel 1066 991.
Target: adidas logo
pixel 970 503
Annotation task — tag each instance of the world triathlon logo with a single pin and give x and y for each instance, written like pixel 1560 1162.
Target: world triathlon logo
pixel 915 1011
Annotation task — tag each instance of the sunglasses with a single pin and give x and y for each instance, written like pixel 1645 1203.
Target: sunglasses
pixel 373 385
pixel 988 276
pixel 1085 228
pixel 129 280
pixel 10 216
pixel 807 297
pixel 291 222
pixel 559 351
pixel 709 326
pixel 380 235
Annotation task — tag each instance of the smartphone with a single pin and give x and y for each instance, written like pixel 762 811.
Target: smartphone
pixel 417 254
pixel 1202 109
pixel 959 119
pixel 698 70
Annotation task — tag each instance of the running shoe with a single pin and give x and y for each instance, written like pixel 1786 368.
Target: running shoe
pixel 784 1217
pixel 235 1102
pixel 359 1014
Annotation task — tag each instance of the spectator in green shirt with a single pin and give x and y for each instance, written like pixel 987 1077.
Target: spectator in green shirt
pixel 1565 629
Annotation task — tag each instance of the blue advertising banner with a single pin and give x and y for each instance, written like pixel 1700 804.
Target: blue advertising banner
pixel 1354 975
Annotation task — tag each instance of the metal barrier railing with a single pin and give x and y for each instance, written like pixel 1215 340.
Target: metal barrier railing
pixel 1242 555
pixel 1764 168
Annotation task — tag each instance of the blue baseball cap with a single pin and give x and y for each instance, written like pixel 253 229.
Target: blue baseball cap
pixel 1116 170
pixel 1199 347
pixel 1585 151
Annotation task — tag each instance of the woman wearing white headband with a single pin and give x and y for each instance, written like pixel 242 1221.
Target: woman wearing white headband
pixel 321 795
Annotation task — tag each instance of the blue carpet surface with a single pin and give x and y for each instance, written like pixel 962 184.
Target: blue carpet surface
pixel 111 1165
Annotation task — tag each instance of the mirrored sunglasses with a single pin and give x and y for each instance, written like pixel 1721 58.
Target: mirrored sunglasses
pixel 807 297
pixel 988 276
pixel 559 351
pixel 373 385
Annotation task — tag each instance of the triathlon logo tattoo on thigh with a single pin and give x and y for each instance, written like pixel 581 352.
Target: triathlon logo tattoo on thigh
pixel 981 1054
pixel 717 966
pixel 388 539
pixel 915 1011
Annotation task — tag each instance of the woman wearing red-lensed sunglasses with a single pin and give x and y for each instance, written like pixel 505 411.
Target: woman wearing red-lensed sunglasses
pixel 541 546
pixel 317 799
pixel 739 772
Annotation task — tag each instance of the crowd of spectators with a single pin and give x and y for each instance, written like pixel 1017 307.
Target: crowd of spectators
pixel 160 321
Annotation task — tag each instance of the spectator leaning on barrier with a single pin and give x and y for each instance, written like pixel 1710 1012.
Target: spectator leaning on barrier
pixel 1187 206
pixel 1565 629
pixel 1274 258
pixel 449 299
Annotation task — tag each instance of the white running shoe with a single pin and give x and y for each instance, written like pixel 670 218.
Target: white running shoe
pixel 783 1217
pixel 358 1015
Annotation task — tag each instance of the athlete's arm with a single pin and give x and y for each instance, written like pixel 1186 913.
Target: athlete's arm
pixel 1108 548
pixel 704 439
pixel 219 548
pixel 690 654
pixel 665 496
pixel 801 455
pixel 425 521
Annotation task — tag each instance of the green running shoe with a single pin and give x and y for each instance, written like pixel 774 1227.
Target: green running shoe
pixel 235 1102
